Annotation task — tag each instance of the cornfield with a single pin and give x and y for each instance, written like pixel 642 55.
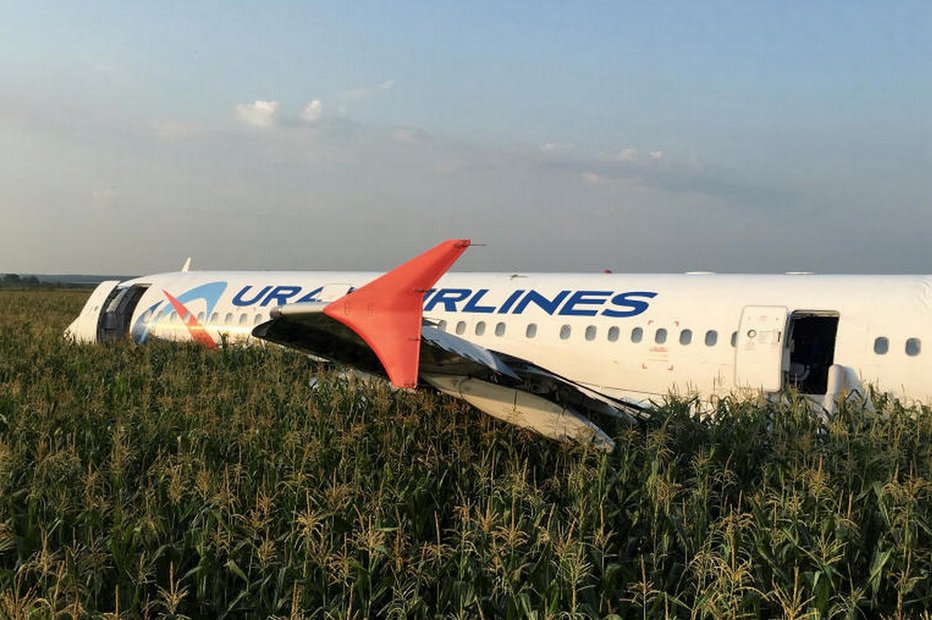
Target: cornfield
pixel 169 480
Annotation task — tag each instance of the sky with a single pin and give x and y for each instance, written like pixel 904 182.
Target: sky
pixel 562 136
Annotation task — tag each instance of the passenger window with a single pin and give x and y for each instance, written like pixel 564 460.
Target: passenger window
pixel 590 332
pixel 214 318
pixel 500 329
pixel 686 337
pixel 200 318
pixel 734 339
pixel 146 316
pixel 480 328
pixel 612 334
pixel 174 318
pixel 531 330
pixel 913 347
pixel 228 320
pixel 461 327
pixel 660 336
pixel 259 319
pixel 242 319
pixel 881 345
pixel 711 338
pixel 636 334
pixel 442 326
pixel 565 332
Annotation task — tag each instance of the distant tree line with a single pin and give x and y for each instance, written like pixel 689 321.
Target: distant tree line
pixel 13 280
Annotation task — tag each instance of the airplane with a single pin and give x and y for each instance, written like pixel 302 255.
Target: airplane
pixel 546 351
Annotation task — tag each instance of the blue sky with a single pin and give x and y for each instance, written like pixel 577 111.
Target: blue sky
pixel 638 136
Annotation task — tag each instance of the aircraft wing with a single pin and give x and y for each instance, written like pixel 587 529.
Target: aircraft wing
pixel 379 329
pixel 306 327
pixel 508 388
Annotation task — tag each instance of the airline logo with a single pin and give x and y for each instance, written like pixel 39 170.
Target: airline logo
pixel 567 302
pixel 274 295
pixel 615 304
pixel 208 293
pixel 197 331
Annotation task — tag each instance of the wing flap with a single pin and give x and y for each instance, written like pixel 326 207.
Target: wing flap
pixel 523 409
pixel 443 353
pixel 306 328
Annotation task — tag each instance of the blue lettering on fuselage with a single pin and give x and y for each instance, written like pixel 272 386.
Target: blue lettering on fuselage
pixel 274 296
pixel 311 295
pixel 240 298
pixel 563 303
pixel 448 297
pixel 473 304
pixel 630 301
pixel 281 295
pixel 544 303
pixel 584 298
pixel 615 304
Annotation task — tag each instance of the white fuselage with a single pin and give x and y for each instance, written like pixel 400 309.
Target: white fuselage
pixel 634 337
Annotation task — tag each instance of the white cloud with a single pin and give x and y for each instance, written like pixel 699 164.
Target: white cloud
pixel 312 111
pixel 632 183
pixel 259 114
pixel 387 85
pixel 555 147
pixel 633 156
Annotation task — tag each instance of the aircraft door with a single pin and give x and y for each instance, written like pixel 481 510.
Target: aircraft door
pixel 811 343
pixel 84 328
pixel 115 320
pixel 759 348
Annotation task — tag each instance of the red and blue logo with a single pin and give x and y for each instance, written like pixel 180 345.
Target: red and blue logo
pixel 208 293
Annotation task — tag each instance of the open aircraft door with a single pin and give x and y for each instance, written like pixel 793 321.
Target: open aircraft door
pixel 759 348
pixel 84 328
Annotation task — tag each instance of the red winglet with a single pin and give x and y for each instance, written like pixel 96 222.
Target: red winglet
pixel 386 313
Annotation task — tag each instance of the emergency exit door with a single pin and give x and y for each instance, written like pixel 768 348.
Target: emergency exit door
pixel 759 348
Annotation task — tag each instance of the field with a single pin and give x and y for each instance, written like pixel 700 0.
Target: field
pixel 172 480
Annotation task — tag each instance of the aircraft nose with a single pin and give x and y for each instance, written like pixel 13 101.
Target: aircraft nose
pixel 71 330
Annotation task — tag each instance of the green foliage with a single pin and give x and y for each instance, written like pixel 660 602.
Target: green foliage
pixel 171 480
pixel 13 280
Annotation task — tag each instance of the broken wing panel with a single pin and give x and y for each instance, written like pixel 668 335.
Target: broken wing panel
pixel 505 387
pixel 523 409
pixel 443 353
pixel 306 328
